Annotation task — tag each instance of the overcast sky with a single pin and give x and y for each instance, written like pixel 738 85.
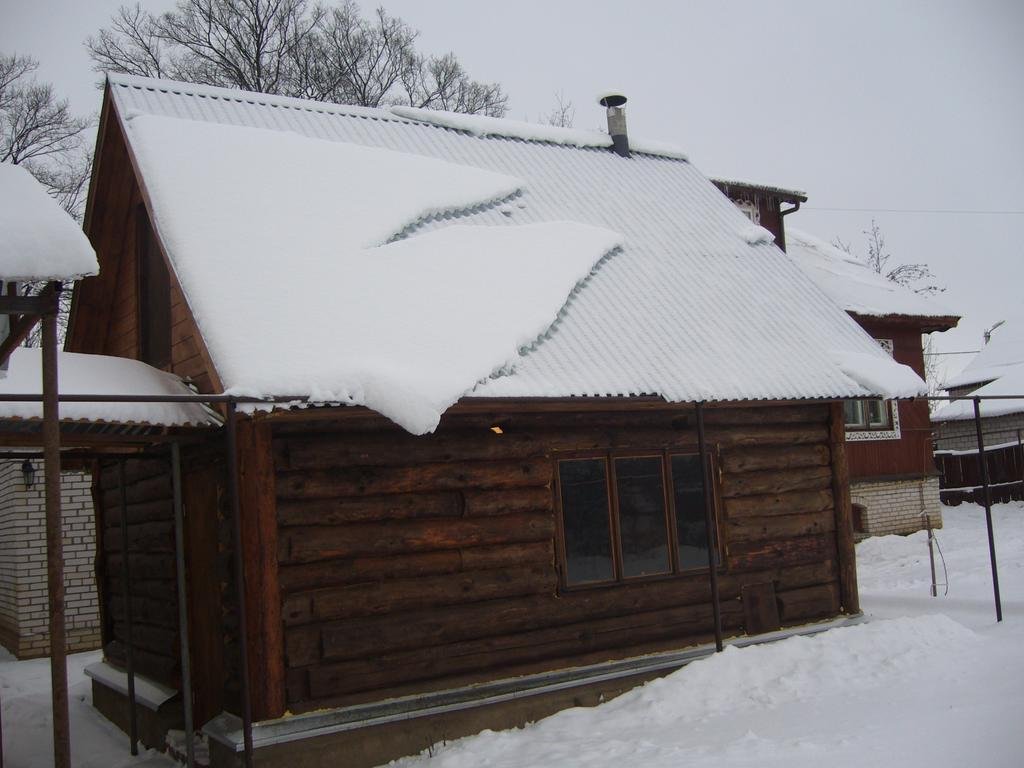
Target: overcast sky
pixel 883 106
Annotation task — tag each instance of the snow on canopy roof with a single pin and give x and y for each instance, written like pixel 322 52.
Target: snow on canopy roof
pixel 80 374
pixel 853 284
pixel 38 239
pixel 1001 364
pixel 687 309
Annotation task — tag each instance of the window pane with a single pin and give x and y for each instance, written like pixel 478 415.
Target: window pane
pixel 688 491
pixel 853 410
pixel 878 413
pixel 641 496
pixel 588 544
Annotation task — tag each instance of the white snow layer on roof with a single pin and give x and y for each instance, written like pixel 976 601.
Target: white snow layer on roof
pixel 404 327
pixel 38 239
pixel 688 310
pixel 479 125
pixel 1001 363
pixel 853 284
pixel 80 374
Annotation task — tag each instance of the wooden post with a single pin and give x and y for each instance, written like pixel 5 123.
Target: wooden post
pixel 848 593
pixel 55 544
pixel 257 498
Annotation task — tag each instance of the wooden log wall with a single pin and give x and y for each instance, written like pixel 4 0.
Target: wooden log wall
pixel 409 564
pixel 150 552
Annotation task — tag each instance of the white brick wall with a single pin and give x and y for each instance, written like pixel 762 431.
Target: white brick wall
pixel 897 506
pixel 24 612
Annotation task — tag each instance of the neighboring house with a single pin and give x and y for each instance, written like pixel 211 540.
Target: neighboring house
pixel 492 502
pixel 894 483
pixel 998 369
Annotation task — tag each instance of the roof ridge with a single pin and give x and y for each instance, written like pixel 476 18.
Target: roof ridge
pixel 255 98
pixel 572 138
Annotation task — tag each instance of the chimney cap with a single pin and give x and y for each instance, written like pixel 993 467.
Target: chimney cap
pixel 611 99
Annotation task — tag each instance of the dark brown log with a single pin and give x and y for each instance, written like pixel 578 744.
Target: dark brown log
pixel 332 450
pixel 760 609
pixel 143 537
pixel 146 512
pixel 486 503
pixel 849 595
pixel 203 489
pixel 308 544
pixel 135 471
pixel 157 488
pixel 478 655
pixel 148 610
pixel 784 435
pixel 798 502
pixel 774 482
pixel 366 637
pixel 162 669
pixel 265 634
pixel 795 577
pixel 810 603
pixel 775 527
pixel 327 573
pixel 369 508
pixel 755 459
pixel 768 414
pixel 424 477
pixel 796 551
pixel 162 641
pixel 144 565
pixel 408 594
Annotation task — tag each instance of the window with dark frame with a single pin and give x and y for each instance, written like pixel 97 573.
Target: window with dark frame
pixel 627 516
pixel 154 297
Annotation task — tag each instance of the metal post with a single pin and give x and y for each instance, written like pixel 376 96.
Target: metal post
pixel 931 552
pixel 126 591
pixel 1020 457
pixel 243 629
pixel 709 528
pixel 55 545
pixel 179 553
pixel 988 509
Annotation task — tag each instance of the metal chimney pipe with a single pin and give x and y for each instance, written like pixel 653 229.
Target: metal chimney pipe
pixel 613 103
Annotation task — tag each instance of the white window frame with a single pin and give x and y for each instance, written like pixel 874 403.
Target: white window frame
pixel 894 432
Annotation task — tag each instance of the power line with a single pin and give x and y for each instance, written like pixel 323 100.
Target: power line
pixel 917 210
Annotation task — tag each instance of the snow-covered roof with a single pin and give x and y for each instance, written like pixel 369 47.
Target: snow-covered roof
pixel 853 284
pixel 770 189
pixel 1001 363
pixel 650 280
pixel 38 239
pixel 80 374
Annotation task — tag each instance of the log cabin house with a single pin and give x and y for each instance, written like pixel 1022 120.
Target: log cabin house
pixel 894 483
pixel 425 564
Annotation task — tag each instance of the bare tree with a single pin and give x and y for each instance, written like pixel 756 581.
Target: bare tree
pixel 917 277
pixel 39 132
pixel 34 124
pixel 563 114
pixel 293 48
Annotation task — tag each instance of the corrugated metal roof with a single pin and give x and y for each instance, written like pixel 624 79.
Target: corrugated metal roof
pixel 688 310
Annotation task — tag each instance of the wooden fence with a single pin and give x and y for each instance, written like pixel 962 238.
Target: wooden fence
pixel 960 474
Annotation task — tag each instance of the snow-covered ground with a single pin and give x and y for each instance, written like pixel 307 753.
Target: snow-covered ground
pixel 926 682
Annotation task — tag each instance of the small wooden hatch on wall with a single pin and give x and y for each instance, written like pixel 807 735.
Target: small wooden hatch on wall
pixel 760 608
